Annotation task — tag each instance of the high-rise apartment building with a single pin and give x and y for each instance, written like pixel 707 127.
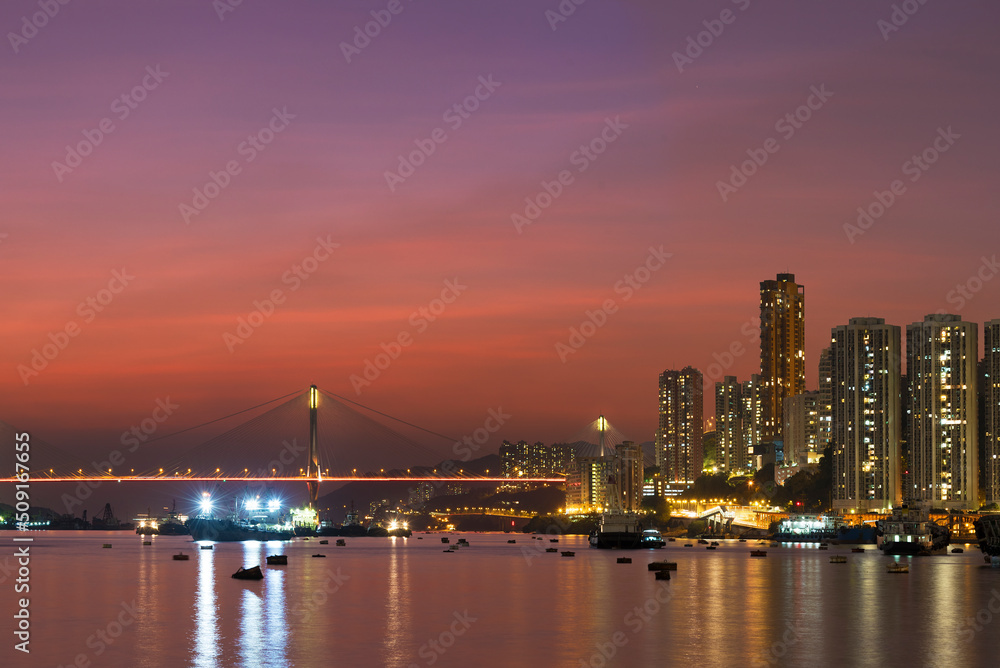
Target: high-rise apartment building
pixel 802 425
pixel 728 425
pixel 991 410
pixel 942 353
pixel 865 384
pixel 679 449
pixel 825 400
pixel 752 420
pixel 782 349
pixel 628 461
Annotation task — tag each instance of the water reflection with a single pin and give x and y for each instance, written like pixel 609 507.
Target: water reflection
pixel 398 631
pixel 275 613
pixel 206 634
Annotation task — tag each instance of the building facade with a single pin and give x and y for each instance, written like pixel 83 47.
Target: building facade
pixel 802 428
pixel 865 384
pixel 679 450
pixel 728 425
pixel 942 354
pixel 628 462
pixel 991 411
pixel 825 400
pixel 751 420
pixel 782 349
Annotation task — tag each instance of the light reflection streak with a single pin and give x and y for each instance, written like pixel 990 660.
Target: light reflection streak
pixel 251 637
pixel 206 640
pixel 396 638
pixel 275 612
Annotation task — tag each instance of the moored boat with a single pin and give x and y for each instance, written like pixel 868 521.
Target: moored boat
pixel 908 531
pixel 253 573
pixel 277 560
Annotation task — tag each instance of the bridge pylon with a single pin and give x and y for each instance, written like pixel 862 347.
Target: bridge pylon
pixel 313 472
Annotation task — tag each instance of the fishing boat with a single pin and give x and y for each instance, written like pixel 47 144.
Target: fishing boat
pixel 180 556
pixel 277 560
pixel 569 554
pixel 248 573
pixel 551 549
pixel 230 530
pixel 988 533
pixel 908 531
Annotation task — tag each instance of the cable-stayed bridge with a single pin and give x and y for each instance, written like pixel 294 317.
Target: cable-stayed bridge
pixel 311 436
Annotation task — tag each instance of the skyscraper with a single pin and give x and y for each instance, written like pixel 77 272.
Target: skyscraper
pixel 825 400
pixel 782 348
pixel 679 438
pixel 942 354
pixel 801 429
pixel 991 408
pixel 752 421
pixel 728 425
pixel 865 356
pixel 628 460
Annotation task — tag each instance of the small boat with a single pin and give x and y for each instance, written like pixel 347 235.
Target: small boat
pixel 838 559
pixel 624 560
pixel 688 545
pixel 823 547
pixel 553 540
pixel 248 573
pixel 341 542
pixel 568 554
pixel 858 550
pixel 106 545
pixel 147 542
pixel 743 540
pixel 180 556
pixel 957 550
pixel 277 560
pixel 206 547
pixel 896 567
pixel 324 542
pixel 444 539
pixel 418 538
pixel 512 541
pixel 662 575
pixel 450 549
pixel 702 541
pixel 662 566
pixel 462 541
pixel 319 556
pixel 715 543
pixel 758 553
pixel 551 549
pixel 711 547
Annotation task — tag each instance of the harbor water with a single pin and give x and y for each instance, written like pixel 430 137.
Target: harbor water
pixel 404 602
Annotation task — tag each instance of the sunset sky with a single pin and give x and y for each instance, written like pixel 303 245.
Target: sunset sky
pixel 209 83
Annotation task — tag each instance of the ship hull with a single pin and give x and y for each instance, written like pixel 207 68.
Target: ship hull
pixel 988 534
pixel 224 531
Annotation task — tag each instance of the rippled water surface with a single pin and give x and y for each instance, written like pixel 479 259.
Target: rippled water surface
pixel 403 602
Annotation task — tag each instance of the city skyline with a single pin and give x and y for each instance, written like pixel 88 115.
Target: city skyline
pixel 172 331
